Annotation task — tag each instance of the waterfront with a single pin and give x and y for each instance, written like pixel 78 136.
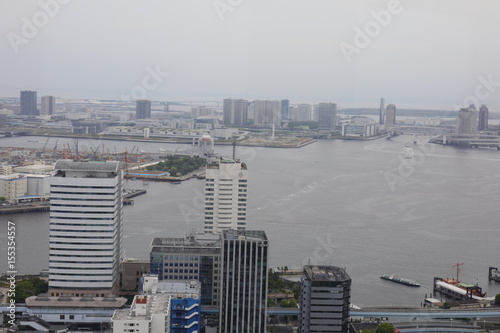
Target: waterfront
pixel 338 202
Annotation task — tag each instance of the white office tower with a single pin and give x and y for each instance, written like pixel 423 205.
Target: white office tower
pixel 86 206
pixel 225 195
pixel 267 113
pixel 48 105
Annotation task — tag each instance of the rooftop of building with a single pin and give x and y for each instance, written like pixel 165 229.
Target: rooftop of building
pixel 180 288
pixel 84 302
pixel 232 234
pixel 215 164
pixel 325 273
pixel 71 165
pixel 155 304
pixel 191 240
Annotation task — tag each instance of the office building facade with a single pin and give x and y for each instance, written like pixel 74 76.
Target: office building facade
pixel 483 118
pixel 142 109
pixel 85 228
pixel 28 103
pixel 327 116
pixel 325 300
pixel 225 195
pixel 243 299
pixel 48 105
pixel 390 115
pixel 235 112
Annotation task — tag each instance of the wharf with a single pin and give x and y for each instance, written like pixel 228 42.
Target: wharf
pixel 35 208
pixel 127 198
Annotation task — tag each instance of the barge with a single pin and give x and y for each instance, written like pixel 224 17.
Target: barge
pixel 401 280
pixel 494 274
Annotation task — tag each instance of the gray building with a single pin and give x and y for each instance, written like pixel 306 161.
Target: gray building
pixel 390 115
pixel 142 109
pixel 28 103
pixel 285 109
pixel 467 120
pixel 48 105
pixel 197 256
pixel 327 116
pixel 382 111
pixel 325 300
pixel 267 113
pixel 235 112
pixel 483 118
pixel 243 299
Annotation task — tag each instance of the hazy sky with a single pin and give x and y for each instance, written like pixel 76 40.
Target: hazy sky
pixel 427 53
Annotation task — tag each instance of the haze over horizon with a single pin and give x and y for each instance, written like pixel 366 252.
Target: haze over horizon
pixel 417 54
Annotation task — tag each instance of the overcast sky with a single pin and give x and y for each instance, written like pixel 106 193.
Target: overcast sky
pixel 428 53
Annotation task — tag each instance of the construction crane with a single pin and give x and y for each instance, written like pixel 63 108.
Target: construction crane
pixel 43 149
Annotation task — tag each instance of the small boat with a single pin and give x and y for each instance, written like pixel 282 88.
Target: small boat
pixel 401 280
pixel 33 141
pixel 177 182
pixel 408 151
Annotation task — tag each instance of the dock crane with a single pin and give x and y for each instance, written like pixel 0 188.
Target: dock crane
pixel 458 269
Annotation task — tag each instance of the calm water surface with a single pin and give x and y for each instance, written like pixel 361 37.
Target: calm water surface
pixel 354 204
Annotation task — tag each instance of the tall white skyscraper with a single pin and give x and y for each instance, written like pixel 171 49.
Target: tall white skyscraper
pixel 225 195
pixel 467 120
pixel 382 111
pixel 48 105
pixel 390 115
pixel 86 206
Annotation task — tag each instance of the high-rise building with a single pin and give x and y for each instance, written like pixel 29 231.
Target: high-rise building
pixel 382 111
pixel 390 115
pixel 303 112
pixel 235 111
pixel 48 105
pixel 325 300
pixel 327 116
pixel 142 109
pixel 267 113
pixel 285 109
pixel 244 281
pixel 196 257
pixel 86 233
pixel 28 103
pixel 483 118
pixel 225 195
pixel 467 120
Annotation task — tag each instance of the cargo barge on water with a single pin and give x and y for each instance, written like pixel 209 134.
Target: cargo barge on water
pixel 401 280
pixel 494 274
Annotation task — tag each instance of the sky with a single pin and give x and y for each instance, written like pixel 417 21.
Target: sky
pixel 432 54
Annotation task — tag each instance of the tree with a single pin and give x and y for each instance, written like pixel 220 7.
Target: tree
pixel 445 305
pixel 2 199
pixel 271 302
pixel 385 328
pixel 497 299
pixel 30 287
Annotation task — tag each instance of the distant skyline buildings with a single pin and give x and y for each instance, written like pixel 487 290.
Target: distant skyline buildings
pixel 267 112
pixel 142 109
pixel 327 116
pixel 483 118
pixel 48 105
pixel 285 109
pixel 381 118
pixel 467 120
pixel 28 103
pixel 235 111
pixel 390 115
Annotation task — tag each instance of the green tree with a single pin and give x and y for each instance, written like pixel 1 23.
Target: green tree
pixel 497 299
pixel 30 287
pixel 445 305
pixel 385 328
pixel 367 331
pixel 2 199
pixel 271 302
pixel 293 303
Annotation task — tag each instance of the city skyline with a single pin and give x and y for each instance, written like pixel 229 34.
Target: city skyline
pixel 327 58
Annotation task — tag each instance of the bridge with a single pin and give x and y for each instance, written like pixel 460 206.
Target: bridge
pixel 391 312
pixel 469 140
pixel 418 130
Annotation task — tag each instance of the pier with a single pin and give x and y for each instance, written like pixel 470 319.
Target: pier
pixel 35 208
pixel 494 274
